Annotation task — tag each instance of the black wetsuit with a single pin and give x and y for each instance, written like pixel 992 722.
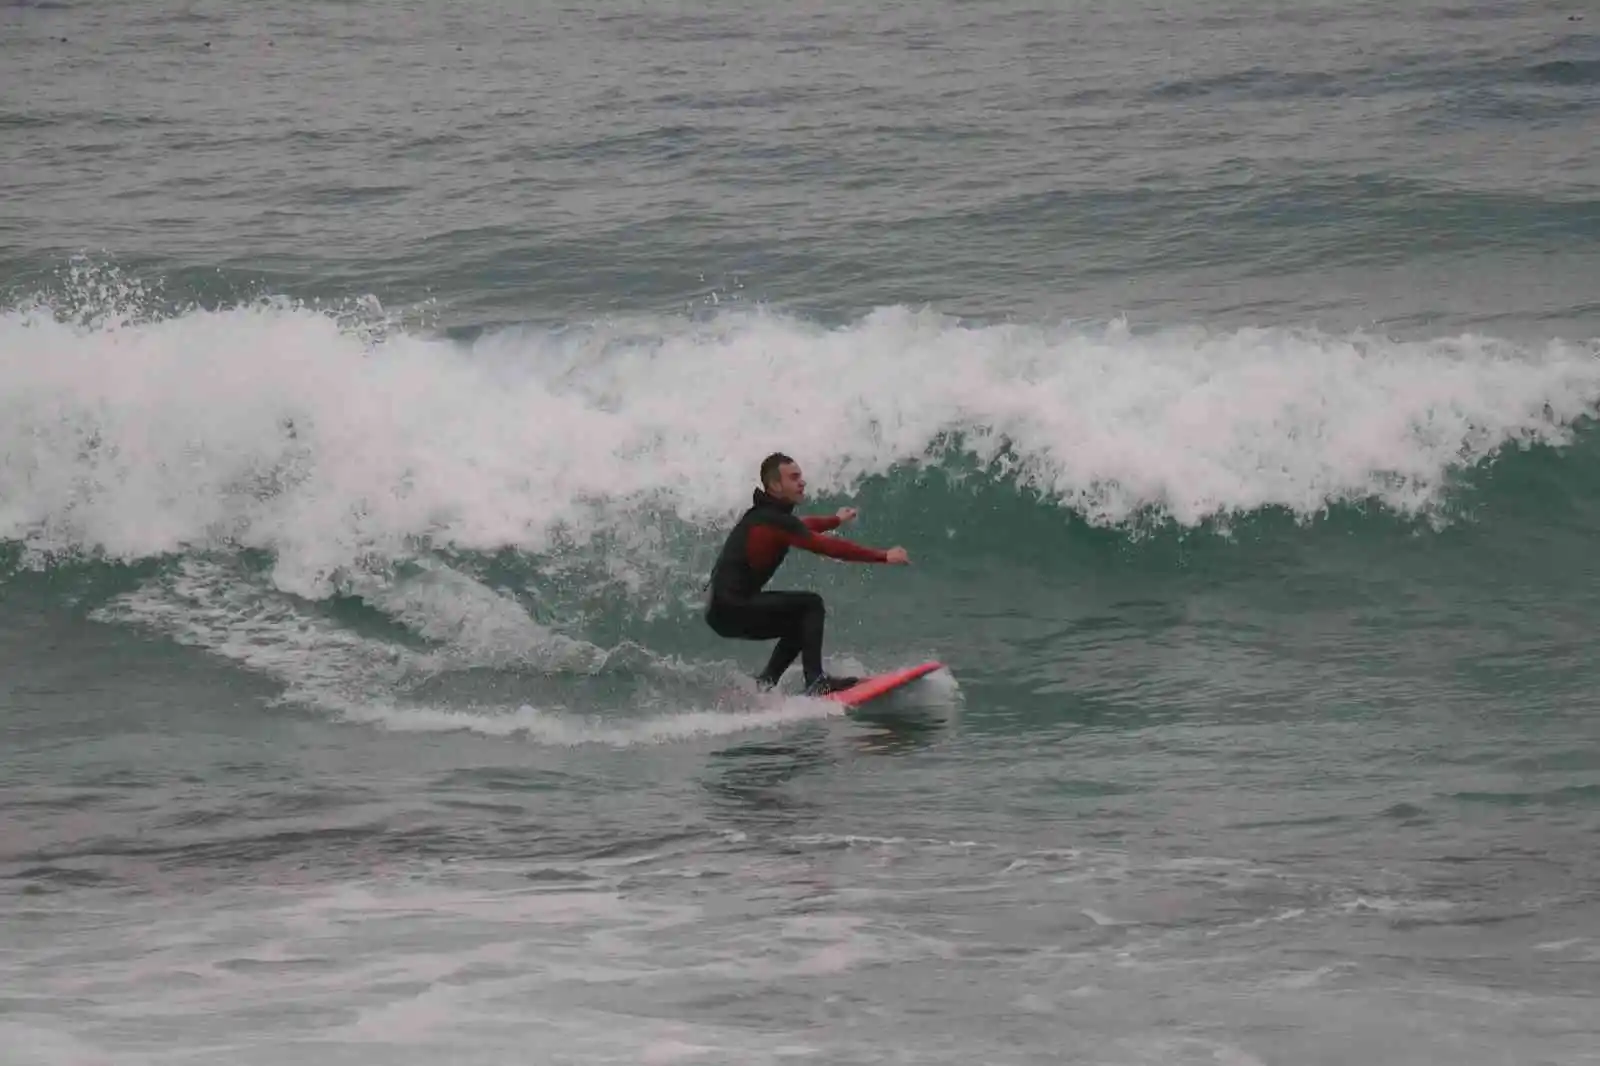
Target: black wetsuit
pixel 739 608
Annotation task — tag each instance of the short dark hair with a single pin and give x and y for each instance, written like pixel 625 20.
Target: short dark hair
pixel 769 467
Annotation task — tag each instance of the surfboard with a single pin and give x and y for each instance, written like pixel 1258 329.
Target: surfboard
pixel 870 688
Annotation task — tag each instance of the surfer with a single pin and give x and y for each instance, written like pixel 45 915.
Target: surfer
pixel 739 609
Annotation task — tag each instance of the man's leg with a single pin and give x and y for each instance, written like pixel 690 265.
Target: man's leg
pixel 806 615
pixel 795 619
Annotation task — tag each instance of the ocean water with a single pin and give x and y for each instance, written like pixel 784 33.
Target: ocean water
pixel 378 382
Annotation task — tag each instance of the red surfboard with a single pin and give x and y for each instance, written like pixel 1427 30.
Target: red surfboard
pixel 869 688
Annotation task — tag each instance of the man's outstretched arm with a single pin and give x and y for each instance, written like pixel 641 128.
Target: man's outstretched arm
pixel 836 547
pixel 765 540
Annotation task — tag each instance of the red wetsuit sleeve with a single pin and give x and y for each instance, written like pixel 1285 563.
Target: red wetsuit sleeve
pixel 821 523
pixel 765 541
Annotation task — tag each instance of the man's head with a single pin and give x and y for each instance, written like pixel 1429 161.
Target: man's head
pixel 781 477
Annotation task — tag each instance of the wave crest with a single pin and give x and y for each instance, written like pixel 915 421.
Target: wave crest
pixel 277 427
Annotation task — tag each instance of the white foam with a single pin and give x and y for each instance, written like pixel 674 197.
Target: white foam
pixel 277 427
pixel 488 626
pixel 208 604
pixel 572 729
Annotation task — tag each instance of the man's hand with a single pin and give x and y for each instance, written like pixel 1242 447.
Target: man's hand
pixel 897 556
pixel 846 513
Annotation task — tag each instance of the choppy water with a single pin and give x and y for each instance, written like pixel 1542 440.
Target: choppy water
pixel 378 380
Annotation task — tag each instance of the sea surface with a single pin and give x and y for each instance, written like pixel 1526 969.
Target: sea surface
pixel 377 381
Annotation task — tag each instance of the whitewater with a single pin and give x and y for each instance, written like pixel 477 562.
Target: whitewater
pixel 276 427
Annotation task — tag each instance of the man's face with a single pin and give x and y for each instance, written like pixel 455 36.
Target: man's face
pixel 791 484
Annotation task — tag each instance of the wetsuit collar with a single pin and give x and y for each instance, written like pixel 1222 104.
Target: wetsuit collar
pixel 762 498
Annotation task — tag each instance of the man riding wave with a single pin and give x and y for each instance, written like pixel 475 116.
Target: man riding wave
pixel 738 606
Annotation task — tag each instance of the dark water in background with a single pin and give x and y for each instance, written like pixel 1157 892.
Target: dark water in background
pixel 377 381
